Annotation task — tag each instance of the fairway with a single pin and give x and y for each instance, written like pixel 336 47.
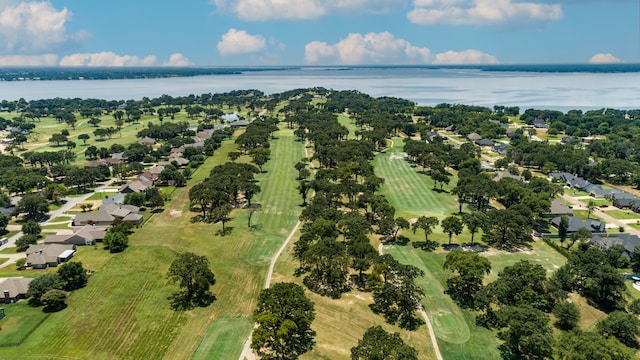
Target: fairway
pixel 410 192
pixel 225 337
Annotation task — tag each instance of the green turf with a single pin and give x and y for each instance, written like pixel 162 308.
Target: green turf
pixel 622 214
pixel 410 192
pixel 20 321
pixel 349 123
pixel 225 336
pixel 3 260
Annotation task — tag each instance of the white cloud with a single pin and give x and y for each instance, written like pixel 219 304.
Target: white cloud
pixel 258 10
pixel 240 42
pixel 107 59
pixel 177 59
pixel 31 27
pixel 29 60
pixel 464 57
pixel 483 12
pixel 603 58
pixel 385 48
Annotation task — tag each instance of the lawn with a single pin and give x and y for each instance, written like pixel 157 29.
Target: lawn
pixel 349 123
pixel 623 215
pixel 124 311
pixel 20 321
pixel 3 260
pixel 410 192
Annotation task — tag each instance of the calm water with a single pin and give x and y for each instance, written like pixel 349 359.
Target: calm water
pixel 426 86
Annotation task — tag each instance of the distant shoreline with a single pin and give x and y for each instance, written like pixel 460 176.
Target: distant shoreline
pixel 132 73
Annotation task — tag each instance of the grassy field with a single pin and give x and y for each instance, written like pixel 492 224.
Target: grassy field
pixel 19 323
pixel 410 192
pixel 124 311
pixel 349 123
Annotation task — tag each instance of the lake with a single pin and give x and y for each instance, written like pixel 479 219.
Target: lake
pixel 425 86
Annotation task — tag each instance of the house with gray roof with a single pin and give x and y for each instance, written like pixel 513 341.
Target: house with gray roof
pixel 572 181
pixel 135 186
pixel 559 208
pixel 41 256
pixel 628 242
pixel 14 288
pixel 575 223
pixel 147 141
pixel 473 137
pixel 87 235
pixel 108 214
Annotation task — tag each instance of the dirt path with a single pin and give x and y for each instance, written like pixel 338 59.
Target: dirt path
pixel 423 313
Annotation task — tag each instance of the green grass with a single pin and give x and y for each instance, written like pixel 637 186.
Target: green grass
pixel 582 214
pixel 9 250
pixel 100 195
pixel 124 311
pixel 3 260
pixel 20 321
pixel 349 123
pixel 410 192
pixel 225 336
pixel 622 214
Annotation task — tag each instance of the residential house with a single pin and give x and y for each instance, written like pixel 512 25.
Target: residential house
pixel 485 142
pixel 147 141
pixel 135 186
pixel 431 136
pixel 569 140
pixel 486 166
pixel 117 198
pixel 505 174
pixel 473 137
pixel 625 203
pixel 239 123
pixel 575 223
pixel 108 214
pixel 628 242
pixel 230 117
pixel 42 256
pixel 119 156
pixel 572 181
pixel 147 177
pixel 559 208
pixel 87 235
pixel 540 124
pixel 501 148
pixel 14 288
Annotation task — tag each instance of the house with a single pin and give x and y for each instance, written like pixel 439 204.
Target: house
pixel 625 202
pixel 147 176
pixel 87 235
pixel 119 156
pixel 600 193
pixel 559 208
pixel 239 123
pixel 540 124
pixel 230 117
pixel 147 141
pixel 486 166
pixel 473 137
pixel 14 288
pixel 135 186
pixel 43 256
pixel 511 133
pixel 197 144
pixel 628 242
pixel 569 140
pixel 484 142
pixel 575 223
pixel 572 181
pixel 501 148
pixel 117 198
pixel 108 214
pixel 431 136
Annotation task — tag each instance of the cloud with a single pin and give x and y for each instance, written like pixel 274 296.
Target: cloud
pixel 385 48
pixel 260 10
pixel 32 27
pixel 464 57
pixel 178 60
pixel 602 58
pixel 239 42
pixel 107 59
pixel 484 12
pixel 29 60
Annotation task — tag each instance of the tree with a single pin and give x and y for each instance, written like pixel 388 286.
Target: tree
pixel 470 269
pixel 582 345
pixel 624 326
pixel 4 222
pixel 72 275
pixel 54 300
pixel 31 227
pixel 567 315
pixel 284 316
pixel 377 344
pixel 582 234
pixel 20 263
pixel 84 138
pixel 40 285
pixel 452 225
pixel 58 138
pixel 260 157
pixel 525 332
pixel 426 224
pixel 563 228
pixel 221 213
pixel 54 192
pixel 474 221
pixel 36 206
pixel 591 205
pixel 506 229
pixel 115 241
pixel 194 276
pixel 25 240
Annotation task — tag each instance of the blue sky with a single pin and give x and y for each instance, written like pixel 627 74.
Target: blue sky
pixel 316 32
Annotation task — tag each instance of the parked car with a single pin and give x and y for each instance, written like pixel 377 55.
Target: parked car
pixel 604 205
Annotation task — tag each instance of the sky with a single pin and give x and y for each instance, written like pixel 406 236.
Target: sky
pixel 317 32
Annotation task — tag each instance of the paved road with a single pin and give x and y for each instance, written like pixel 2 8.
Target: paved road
pixel 70 203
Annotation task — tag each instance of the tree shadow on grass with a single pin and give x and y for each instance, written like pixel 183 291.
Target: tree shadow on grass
pixel 179 301
pixel 227 231
pixel 52 309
